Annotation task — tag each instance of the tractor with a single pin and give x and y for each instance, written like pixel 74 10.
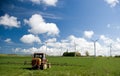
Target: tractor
pixel 39 61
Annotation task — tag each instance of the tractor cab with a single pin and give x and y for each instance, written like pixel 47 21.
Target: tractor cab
pixel 39 55
pixel 39 61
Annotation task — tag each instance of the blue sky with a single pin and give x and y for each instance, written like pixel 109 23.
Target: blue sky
pixel 25 25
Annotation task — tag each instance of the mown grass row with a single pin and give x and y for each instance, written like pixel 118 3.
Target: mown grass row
pixel 63 66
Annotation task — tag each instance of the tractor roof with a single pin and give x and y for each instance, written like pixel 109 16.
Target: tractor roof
pixel 39 53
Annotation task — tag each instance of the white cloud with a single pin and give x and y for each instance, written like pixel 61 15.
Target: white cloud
pixel 46 2
pixel 50 2
pixel 88 34
pixel 36 1
pixel 108 25
pixel 106 40
pixel 112 3
pixel 114 27
pixel 29 39
pixel 16 49
pixel 51 40
pixel 8 40
pixel 9 21
pixel 55 47
pixel 49 51
pixel 118 39
pixel 39 26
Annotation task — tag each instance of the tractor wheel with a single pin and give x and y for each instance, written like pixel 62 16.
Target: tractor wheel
pixel 44 66
pixel 48 65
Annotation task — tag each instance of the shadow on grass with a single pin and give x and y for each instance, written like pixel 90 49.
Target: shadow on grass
pixel 29 68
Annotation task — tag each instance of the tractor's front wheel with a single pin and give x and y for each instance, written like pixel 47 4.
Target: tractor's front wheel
pixel 44 66
pixel 48 65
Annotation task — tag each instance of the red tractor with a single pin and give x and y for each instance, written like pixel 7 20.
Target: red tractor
pixel 39 61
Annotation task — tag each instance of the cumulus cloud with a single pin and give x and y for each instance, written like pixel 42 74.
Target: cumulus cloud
pixel 118 39
pixel 79 44
pixel 57 48
pixel 112 3
pixel 49 51
pixel 39 26
pixel 36 1
pixel 106 40
pixel 9 21
pixel 8 40
pixel 51 40
pixel 114 27
pixel 88 34
pixel 108 25
pixel 115 44
pixel 50 2
pixel 29 39
pixel 46 2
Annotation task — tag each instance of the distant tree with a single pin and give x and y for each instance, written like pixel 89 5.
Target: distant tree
pixel 87 53
pixel 117 56
pixel 71 54
pixel 100 56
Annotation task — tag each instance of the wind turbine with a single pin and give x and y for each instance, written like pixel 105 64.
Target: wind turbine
pixel 110 49
pixel 75 46
pixel 46 45
pixel 94 41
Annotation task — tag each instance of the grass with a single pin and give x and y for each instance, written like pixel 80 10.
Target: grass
pixel 62 66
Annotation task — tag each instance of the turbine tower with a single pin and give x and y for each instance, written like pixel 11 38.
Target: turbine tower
pixel 75 46
pixel 94 41
pixel 46 46
pixel 110 49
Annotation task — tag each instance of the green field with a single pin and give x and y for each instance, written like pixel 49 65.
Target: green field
pixel 61 66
